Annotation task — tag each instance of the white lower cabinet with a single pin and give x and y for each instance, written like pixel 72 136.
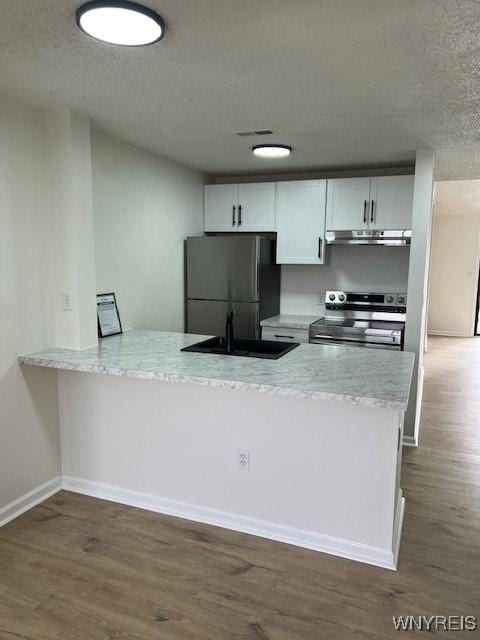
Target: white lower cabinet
pixel 300 222
pixel 282 334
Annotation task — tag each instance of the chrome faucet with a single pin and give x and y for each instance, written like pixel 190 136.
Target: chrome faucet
pixel 229 332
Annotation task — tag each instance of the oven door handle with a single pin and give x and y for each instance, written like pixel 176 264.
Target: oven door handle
pixel 344 340
pixel 348 339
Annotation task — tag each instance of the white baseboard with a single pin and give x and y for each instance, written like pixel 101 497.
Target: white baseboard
pixel 29 500
pixel 449 334
pixel 419 406
pixel 409 441
pixel 397 528
pixel 298 537
pixel 378 556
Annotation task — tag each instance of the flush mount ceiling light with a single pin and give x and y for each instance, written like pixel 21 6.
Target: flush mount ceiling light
pixel 120 22
pixel 272 150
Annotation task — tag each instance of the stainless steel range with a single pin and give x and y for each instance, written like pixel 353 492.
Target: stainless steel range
pixel 374 320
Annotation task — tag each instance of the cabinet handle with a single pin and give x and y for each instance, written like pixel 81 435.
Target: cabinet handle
pixel 371 210
pixel 365 203
pixel 233 215
pixel 275 335
pixel 239 214
pixel 319 248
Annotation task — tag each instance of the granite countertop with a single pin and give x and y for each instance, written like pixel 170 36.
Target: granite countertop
pixel 367 377
pixel 290 321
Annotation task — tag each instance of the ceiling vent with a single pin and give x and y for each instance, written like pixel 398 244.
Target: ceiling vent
pixel 260 132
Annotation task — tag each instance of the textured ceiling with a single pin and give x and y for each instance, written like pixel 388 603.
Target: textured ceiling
pixel 460 197
pixel 346 82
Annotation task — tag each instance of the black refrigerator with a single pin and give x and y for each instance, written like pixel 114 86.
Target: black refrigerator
pixel 230 273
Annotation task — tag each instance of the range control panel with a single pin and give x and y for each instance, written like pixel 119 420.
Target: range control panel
pixel 366 299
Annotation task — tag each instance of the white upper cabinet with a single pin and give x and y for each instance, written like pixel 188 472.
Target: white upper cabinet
pixel 300 220
pixel 240 207
pixel 300 211
pixel 221 204
pixel 348 201
pixel 256 206
pixel 385 202
pixel 391 202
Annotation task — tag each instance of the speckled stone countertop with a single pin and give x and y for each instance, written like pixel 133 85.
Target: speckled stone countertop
pixel 368 377
pixel 288 321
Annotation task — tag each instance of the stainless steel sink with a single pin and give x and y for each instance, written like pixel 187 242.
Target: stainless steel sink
pixel 268 349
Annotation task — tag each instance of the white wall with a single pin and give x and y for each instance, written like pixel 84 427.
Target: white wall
pixel 181 459
pixel 454 274
pixel 144 207
pixel 418 276
pixel 70 184
pixel 29 437
pixel 381 269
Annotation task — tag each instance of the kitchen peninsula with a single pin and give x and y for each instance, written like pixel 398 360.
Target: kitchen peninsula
pixel 321 427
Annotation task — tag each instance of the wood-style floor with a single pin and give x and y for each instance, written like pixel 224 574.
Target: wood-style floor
pixel 80 568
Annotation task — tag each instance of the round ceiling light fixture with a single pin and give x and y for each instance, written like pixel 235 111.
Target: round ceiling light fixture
pixel 120 22
pixel 272 150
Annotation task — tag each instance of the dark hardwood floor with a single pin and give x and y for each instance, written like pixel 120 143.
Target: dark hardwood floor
pixel 79 568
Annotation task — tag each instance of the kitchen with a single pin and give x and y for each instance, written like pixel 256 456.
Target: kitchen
pixel 246 487
pixel 234 291
pixel 310 219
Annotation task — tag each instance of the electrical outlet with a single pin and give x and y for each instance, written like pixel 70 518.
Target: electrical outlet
pixel 67 301
pixel 243 459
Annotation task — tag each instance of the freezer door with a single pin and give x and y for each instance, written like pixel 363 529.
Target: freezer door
pixel 223 268
pixel 208 317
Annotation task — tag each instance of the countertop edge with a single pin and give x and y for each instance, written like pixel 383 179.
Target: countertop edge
pixel 286 325
pixel 281 321
pixel 214 382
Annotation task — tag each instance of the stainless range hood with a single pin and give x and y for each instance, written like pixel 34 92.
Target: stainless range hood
pixel 390 238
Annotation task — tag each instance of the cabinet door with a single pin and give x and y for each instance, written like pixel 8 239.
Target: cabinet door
pixel 221 207
pixel 256 204
pixel 391 202
pixel 348 201
pixel 300 222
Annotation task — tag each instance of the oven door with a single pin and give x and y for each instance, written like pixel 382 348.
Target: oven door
pixel 358 333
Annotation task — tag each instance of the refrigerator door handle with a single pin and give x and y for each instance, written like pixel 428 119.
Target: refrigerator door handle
pixel 239 214
pixel 234 208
